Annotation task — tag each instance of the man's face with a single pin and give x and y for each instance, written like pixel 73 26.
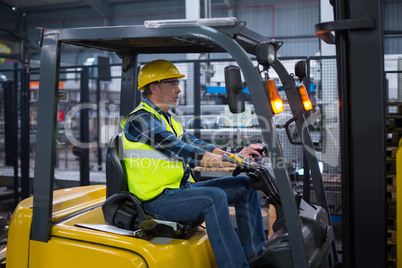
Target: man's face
pixel 168 92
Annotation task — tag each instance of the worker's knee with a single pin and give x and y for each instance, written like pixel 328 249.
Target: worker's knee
pixel 243 181
pixel 216 196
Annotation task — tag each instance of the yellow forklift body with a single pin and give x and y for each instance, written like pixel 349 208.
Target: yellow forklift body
pixel 19 235
pixel 399 201
pixel 73 246
pixel 60 252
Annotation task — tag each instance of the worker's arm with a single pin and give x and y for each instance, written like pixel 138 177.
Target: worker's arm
pixel 146 128
pixel 190 139
pixel 214 160
pixel 247 152
pixel 220 152
pixel 251 150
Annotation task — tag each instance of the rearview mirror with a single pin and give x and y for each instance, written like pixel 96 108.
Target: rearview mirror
pixel 234 89
pixel 301 69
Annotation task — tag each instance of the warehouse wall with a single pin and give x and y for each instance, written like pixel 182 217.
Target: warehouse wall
pixel 290 21
pixel 392 27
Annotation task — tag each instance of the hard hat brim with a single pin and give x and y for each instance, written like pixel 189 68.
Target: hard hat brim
pixel 179 76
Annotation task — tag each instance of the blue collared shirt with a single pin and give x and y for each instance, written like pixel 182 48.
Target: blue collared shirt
pixel 146 128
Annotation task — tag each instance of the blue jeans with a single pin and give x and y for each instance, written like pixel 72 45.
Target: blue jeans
pixel 208 201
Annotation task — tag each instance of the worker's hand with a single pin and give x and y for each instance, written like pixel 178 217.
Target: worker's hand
pixel 251 150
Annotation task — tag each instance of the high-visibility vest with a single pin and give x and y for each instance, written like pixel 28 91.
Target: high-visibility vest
pixel 149 171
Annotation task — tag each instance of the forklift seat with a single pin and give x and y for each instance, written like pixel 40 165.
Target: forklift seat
pixel 122 208
pixel 116 177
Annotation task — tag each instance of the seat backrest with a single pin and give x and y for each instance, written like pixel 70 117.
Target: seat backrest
pixel 116 177
pixel 124 209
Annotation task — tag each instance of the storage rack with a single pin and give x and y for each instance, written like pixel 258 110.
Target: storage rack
pixel 394 134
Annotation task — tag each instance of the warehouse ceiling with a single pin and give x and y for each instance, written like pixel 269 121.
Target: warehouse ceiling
pixel 102 7
pixel 34 3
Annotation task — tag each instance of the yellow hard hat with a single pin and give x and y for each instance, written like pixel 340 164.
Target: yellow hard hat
pixel 156 71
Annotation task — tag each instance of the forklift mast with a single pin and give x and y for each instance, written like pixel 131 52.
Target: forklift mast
pixel 359 40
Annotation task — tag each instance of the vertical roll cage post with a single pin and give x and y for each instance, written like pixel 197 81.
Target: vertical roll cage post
pixel 218 40
pixel 299 118
pixel 46 136
pixel 269 134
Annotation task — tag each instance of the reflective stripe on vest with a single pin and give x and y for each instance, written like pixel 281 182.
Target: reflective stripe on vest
pixel 149 171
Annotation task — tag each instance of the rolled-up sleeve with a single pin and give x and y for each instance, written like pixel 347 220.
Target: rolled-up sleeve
pixel 146 128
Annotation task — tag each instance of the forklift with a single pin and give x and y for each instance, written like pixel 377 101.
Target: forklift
pixel 81 226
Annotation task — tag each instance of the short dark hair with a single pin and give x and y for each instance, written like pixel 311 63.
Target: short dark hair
pixel 147 91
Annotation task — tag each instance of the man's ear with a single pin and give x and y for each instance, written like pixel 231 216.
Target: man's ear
pixel 154 89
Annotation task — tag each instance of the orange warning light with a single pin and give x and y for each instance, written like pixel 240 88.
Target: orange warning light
pixel 305 98
pixel 276 101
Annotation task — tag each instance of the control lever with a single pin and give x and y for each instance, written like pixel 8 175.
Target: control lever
pixel 244 165
pixel 235 160
pixel 232 159
pixel 264 148
pixel 240 160
pixel 259 176
pixel 258 158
